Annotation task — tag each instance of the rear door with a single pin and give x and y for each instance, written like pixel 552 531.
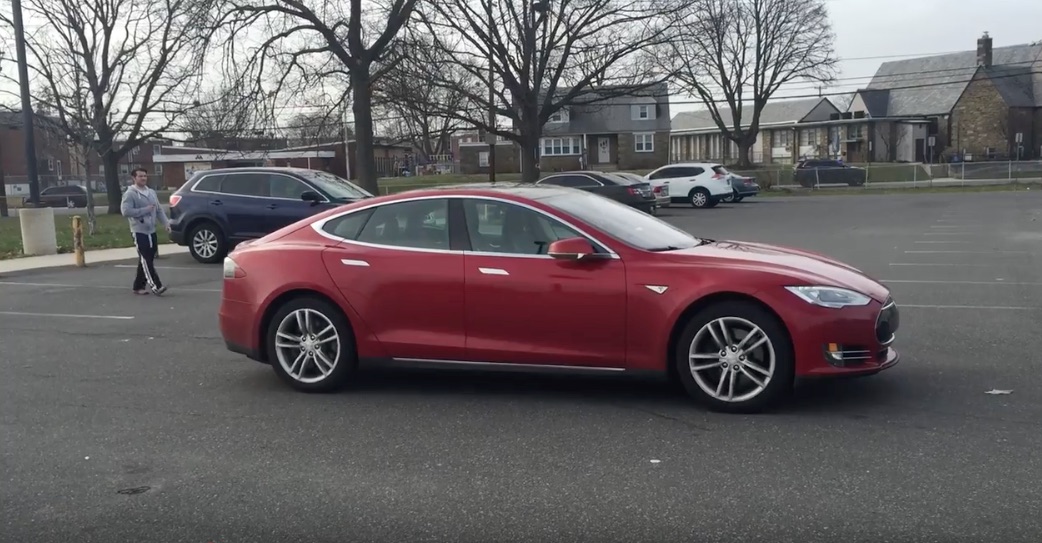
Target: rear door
pixel 682 180
pixel 243 199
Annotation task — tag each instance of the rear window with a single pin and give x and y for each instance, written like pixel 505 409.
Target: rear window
pixel 623 179
pixel 721 170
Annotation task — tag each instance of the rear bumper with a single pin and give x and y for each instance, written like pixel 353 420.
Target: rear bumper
pixel 238 329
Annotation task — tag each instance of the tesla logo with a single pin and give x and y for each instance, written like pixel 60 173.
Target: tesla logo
pixel 657 289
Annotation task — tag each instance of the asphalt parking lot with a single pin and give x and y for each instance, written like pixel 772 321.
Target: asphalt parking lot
pixel 124 418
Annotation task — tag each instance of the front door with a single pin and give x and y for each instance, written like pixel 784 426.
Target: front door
pixel 603 150
pixel 402 278
pixel 285 205
pixel 524 307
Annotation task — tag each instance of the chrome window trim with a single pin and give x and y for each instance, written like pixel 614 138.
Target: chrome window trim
pixel 305 183
pixel 587 176
pixel 317 226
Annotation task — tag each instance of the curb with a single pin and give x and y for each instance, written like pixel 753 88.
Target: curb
pixel 68 260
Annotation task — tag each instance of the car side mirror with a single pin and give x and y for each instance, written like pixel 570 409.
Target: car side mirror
pixel 572 249
pixel 311 196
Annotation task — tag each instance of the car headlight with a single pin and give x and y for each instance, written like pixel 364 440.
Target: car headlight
pixel 833 297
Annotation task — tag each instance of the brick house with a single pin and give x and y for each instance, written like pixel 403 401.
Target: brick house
pixel 976 104
pixel 621 133
pixel 58 160
pixel 696 137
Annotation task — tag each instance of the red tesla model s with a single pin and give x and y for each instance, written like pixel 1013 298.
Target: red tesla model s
pixel 548 278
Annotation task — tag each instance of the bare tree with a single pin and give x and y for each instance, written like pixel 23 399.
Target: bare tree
pixel 311 40
pixel 126 68
pixel 415 92
pixel 544 56
pixel 225 114
pixel 317 127
pixel 743 52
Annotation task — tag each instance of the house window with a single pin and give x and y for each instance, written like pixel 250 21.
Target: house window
pixel 855 131
pixel 157 149
pixel 483 159
pixel 782 138
pixel 124 169
pixel 561 146
pixel 50 164
pixel 158 169
pixel 560 117
pixel 644 143
pixel 807 138
pixel 643 112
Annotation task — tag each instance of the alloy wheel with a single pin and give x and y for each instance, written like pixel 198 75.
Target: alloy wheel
pixel 699 199
pixel 732 359
pixel 307 345
pixel 205 243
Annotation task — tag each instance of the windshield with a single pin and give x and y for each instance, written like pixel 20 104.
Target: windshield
pixel 336 187
pixel 622 222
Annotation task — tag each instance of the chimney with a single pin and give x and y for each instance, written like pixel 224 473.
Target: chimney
pixel 984 51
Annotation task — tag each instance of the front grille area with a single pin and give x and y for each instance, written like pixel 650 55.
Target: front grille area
pixel 887 322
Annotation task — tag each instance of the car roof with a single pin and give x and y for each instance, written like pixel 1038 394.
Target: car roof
pixel 699 164
pixel 247 169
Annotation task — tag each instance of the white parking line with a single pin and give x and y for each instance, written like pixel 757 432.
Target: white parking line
pixel 66 285
pixel 65 315
pixel 935 282
pixel 160 267
pixel 944 241
pixel 949 233
pixel 946 226
pixel 992 307
pixel 970 252
pixel 944 264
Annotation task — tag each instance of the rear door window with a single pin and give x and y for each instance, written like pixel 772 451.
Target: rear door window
pixel 246 184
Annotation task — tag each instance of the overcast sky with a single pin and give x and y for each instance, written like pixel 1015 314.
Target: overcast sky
pixel 869 32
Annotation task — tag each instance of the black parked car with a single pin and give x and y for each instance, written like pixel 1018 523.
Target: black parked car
pixel 810 173
pixel 633 193
pixel 64 196
pixel 216 209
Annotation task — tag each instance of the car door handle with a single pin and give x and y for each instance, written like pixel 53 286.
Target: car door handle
pixel 350 262
pixel 271 206
pixel 493 271
pixel 215 202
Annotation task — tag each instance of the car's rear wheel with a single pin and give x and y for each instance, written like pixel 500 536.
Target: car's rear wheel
pixel 206 243
pixel 735 357
pixel 700 197
pixel 311 346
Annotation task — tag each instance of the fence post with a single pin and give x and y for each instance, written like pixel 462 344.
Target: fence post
pixel 77 242
pixel 1009 175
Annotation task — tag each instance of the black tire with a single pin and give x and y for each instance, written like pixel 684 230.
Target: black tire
pixel 207 229
pixel 345 364
pixel 700 198
pixel 738 199
pixel 777 386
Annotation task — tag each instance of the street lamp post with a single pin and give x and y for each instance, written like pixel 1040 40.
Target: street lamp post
pixel 28 132
pixel 491 135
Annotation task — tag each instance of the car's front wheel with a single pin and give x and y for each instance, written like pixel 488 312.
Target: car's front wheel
pixel 311 346
pixel 735 357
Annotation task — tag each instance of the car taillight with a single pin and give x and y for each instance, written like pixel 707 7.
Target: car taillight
pixel 717 176
pixel 632 190
pixel 174 199
pixel 657 189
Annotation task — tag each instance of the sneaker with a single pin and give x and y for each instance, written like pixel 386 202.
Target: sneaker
pixel 159 291
pixel 141 291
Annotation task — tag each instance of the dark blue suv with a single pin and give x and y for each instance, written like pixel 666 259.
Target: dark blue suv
pixel 216 209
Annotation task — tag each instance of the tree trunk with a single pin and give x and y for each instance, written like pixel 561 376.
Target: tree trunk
pixel 745 146
pixel 112 187
pixel 362 107
pixel 530 161
pixel 3 188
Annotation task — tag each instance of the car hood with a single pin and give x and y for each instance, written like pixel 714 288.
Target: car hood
pixel 802 266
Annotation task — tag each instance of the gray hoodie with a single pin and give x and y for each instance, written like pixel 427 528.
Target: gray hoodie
pixel 134 208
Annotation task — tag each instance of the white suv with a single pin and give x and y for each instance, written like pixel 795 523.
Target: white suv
pixel 702 184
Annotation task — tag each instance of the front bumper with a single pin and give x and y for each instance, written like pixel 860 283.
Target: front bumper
pixel 848 341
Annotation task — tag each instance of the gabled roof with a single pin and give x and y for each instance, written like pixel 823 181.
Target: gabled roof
pixel 777 112
pixel 932 85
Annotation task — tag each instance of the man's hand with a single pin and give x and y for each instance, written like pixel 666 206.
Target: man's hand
pixel 151 207
pixel 167 228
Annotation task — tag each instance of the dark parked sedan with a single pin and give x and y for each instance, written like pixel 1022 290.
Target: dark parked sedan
pixel 814 172
pixel 633 193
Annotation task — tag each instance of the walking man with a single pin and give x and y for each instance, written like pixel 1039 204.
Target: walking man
pixel 141 207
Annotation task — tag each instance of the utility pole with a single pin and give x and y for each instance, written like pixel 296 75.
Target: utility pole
pixel 28 124
pixel 491 135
